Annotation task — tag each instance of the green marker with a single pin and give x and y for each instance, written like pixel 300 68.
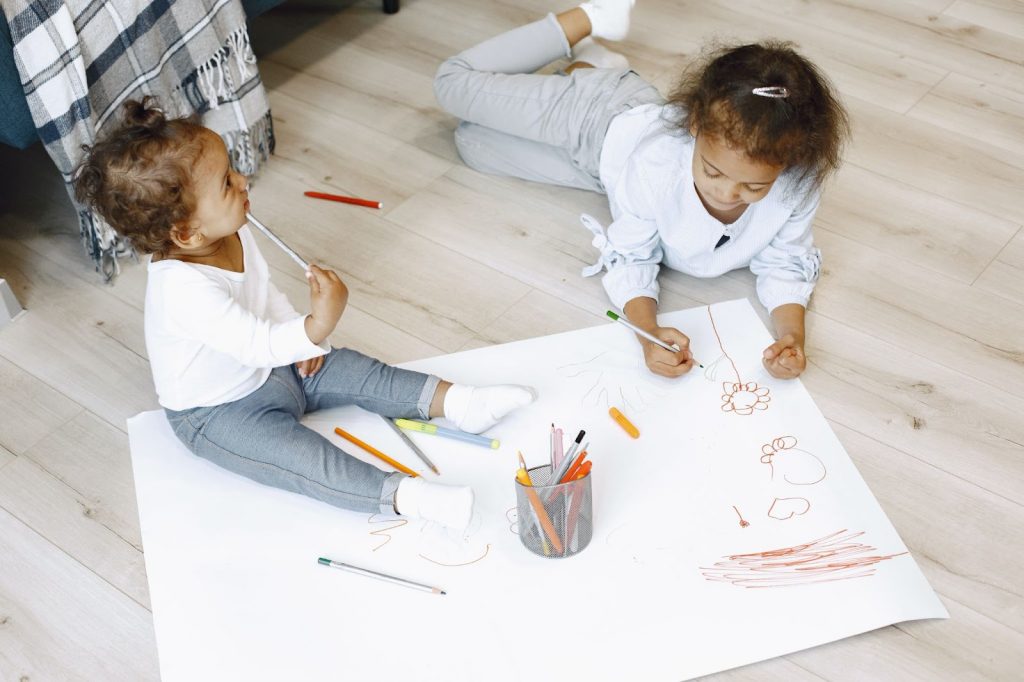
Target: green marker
pixel 435 430
pixel 650 337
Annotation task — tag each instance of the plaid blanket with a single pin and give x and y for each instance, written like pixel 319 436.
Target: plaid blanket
pixel 79 60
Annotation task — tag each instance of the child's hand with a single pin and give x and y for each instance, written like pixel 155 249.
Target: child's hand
pixel 327 298
pixel 308 368
pixel 663 362
pixel 785 358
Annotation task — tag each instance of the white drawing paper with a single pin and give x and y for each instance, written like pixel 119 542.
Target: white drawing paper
pixel 735 529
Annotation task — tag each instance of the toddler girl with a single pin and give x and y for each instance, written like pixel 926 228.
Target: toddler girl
pixel 234 365
pixel 724 174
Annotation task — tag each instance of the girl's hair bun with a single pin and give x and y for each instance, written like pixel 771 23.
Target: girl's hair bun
pixel 144 114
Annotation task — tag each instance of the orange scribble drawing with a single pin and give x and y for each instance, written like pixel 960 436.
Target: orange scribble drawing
pixel 799 466
pixel 828 559
pixel 743 522
pixel 739 397
pixel 384 532
pixel 467 563
pixel 785 508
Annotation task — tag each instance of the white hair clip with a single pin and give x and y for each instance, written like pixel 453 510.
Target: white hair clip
pixel 776 91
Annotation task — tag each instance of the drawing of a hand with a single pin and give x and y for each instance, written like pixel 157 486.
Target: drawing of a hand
pixel 612 378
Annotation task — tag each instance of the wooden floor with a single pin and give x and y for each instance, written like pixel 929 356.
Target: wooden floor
pixel 916 330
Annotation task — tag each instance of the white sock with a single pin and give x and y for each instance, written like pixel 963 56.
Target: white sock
pixel 598 55
pixel 449 505
pixel 609 19
pixel 478 408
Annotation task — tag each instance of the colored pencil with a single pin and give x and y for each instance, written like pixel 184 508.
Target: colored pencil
pixel 345 200
pixel 523 476
pixel 375 452
pixel 379 576
pixel 435 430
pixel 412 446
pixel 650 337
pixel 277 240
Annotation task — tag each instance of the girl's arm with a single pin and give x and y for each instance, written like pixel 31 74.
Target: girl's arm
pixel 643 312
pixel 787 270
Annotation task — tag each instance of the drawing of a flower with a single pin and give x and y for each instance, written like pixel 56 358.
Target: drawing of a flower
pixel 744 398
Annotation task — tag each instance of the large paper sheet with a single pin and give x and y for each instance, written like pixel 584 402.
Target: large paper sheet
pixel 734 529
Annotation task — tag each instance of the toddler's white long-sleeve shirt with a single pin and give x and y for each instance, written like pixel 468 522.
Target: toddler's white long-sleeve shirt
pixel 658 218
pixel 213 336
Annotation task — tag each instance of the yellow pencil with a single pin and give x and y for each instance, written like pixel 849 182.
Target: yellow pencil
pixel 523 476
pixel 375 452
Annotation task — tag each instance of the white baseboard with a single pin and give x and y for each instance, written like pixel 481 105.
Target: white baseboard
pixel 10 309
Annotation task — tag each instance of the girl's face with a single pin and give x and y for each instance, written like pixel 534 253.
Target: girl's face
pixel 726 178
pixel 222 194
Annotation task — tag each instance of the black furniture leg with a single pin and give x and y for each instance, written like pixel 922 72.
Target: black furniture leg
pixel 391 6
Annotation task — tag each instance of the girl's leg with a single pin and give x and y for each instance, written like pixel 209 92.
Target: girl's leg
pixel 351 378
pixel 491 151
pixel 260 437
pixel 493 85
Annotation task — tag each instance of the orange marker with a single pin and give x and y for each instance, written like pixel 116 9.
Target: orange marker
pixel 573 469
pixel 375 452
pixel 583 471
pixel 523 476
pixel 624 423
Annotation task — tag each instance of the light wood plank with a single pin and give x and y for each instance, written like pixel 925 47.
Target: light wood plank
pixel 30 408
pixel 375 258
pixel 940 518
pixel 917 30
pixel 927 157
pixel 6 457
pixel 916 405
pixel 80 340
pixel 58 621
pixel 348 158
pixel 78 522
pixel 968 107
pixel 91 458
pixel 922 312
pixel 925 228
pixel 1003 16
pixel 1005 276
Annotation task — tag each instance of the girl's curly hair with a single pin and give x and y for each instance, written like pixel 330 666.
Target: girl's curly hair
pixel 139 176
pixel 804 131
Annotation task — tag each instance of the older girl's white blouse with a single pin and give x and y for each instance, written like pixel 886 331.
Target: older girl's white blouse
pixel 646 169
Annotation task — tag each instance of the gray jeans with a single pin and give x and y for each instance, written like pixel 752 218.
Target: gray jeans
pixel 260 437
pixel 545 128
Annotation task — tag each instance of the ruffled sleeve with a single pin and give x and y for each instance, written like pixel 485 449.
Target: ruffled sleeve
pixel 789 266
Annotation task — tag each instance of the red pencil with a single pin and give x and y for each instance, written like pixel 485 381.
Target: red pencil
pixel 344 200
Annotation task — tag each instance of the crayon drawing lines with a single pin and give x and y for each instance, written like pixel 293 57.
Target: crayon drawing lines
pixel 738 397
pixel 828 559
pixel 611 373
pixel 487 550
pixel 799 467
pixel 385 532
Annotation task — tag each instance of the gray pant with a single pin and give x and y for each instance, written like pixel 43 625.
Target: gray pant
pixel 260 437
pixel 545 128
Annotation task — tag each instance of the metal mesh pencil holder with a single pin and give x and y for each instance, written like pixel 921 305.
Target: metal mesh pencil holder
pixel 555 521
